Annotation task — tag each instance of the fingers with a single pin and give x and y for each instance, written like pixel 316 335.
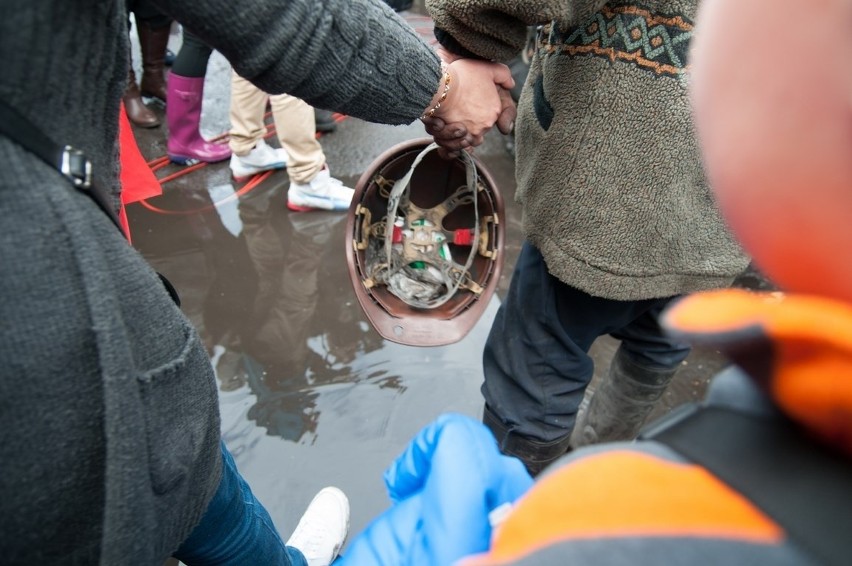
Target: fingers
pixel 453 148
pixel 409 472
pixel 477 100
pixel 472 99
pixel 452 138
pixel 502 75
pixel 437 128
pixel 506 120
pixel 448 154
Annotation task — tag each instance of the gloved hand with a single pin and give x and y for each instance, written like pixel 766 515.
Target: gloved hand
pixel 443 486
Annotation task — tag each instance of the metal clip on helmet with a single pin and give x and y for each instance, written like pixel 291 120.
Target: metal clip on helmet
pixel 424 241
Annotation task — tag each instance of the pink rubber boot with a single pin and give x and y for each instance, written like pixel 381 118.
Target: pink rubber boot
pixel 183 113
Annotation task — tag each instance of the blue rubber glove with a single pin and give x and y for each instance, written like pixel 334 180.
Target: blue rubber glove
pixel 450 477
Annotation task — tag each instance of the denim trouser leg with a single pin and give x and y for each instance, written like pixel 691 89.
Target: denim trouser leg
pixel 236 529
pixel 536 360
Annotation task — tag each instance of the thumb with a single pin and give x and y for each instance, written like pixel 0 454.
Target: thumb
pixel 502 76
pixel 508 111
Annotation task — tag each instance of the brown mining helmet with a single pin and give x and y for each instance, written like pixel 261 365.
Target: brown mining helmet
pixel 424 240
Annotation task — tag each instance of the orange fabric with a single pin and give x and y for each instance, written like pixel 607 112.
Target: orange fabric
pixel 626 494
pixel 812 337
pixel 814 386
pixel 810 317
pixel 137 180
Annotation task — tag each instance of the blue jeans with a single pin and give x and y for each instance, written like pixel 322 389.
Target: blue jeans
pixel 236 529
pixel 536 359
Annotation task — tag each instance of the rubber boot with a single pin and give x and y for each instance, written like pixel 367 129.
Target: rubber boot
pixel 136 110
pixel 183 112
pixel 621 403
pixel 153 43
pixel 536 455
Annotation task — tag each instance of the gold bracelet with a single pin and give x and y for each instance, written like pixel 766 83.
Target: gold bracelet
pixel 430 113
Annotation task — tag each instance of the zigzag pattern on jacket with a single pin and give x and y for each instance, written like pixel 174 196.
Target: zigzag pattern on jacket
pixel 629 33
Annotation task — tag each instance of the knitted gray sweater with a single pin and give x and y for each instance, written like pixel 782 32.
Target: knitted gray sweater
pixel 109 424
pixel 608 165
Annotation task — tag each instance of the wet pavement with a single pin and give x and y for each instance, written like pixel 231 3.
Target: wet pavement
pixel 310 394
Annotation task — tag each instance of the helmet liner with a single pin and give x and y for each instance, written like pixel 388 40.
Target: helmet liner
pixel 423 244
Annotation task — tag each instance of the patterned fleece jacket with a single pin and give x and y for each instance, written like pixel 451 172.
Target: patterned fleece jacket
pixel 608 165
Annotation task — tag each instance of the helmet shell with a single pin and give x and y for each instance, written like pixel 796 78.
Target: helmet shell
pixel 433 182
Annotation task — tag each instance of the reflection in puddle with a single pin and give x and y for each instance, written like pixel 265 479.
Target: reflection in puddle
pixel 310 395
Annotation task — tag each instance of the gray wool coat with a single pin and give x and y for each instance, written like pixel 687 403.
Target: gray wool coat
pixel 608 166
pixel 109 426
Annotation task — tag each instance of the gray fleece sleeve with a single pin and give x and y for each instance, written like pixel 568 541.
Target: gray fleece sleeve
pixel 497 29
pixel 353 56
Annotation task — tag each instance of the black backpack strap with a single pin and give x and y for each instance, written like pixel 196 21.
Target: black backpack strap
pixel 70 162
pixel 802 485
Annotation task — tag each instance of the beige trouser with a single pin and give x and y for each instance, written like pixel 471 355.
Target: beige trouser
pixel 294 123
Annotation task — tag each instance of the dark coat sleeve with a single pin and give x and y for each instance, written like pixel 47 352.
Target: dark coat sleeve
pixel 359 58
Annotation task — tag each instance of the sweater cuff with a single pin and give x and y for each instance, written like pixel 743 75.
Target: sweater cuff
pixel 449 43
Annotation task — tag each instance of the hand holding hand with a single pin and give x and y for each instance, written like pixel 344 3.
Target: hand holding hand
pixel 443 487
pixel 473 99
pixel 454 138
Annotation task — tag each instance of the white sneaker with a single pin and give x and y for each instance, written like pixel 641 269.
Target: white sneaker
pixel 323 192
pixel 261 158
pixel 323 528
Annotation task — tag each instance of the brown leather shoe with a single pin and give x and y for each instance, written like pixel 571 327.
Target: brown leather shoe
pixel 153 43
pixel 137 112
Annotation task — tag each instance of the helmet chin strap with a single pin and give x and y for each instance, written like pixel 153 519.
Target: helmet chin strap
pixel 416 248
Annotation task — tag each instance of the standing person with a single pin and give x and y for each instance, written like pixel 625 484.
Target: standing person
pixel 618 215
pixel 152 28
pixel 109 419
pixel 761 471
pixel 185 144
pixel 311 184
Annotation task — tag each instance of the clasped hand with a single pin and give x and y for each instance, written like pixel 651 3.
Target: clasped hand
pixel 478 99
